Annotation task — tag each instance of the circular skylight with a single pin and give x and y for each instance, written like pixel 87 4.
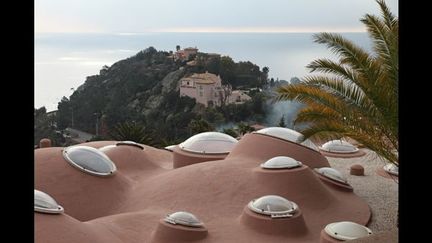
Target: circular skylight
pixel 331 174
pixel 339 146
pixel 89 160
pixel 281 162
pixel 44 203
pixel 130 143
pixel 209 143
pixel 183 218
pixel 287 134
pixel 274 206
pixel 347 230
pixel 392 169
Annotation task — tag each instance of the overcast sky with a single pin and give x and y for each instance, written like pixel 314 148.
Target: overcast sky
pixel 132 16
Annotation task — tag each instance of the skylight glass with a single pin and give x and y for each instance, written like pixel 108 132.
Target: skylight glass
pixel 209 143
pixel 289 135
pixel 183 218
pixel 44 203
pixel 273 206
pixel 89 160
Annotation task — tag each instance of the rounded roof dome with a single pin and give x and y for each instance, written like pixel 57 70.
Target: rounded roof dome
pixel 89 160
pixel 281 162
pixel 287 134
pixel 392 169
pixel 347 230
pixel 44 203
pixel 339 146
pixel 209 143
pixel 273 205
pixel 130 143
pixel 331 174
pixel 183 218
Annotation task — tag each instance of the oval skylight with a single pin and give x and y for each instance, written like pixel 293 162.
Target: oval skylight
pixel 89 160
pixel 281 162
pixel 44 203
pixel 209 143
pixel 331 174
pixel 347 230
pixel 274 206
pixel 183 218
pixel 287 134
pixel 392 169
pixel 130 143
pixel 339 146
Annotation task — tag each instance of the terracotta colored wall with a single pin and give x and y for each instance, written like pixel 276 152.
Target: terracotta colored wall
pixel 253 144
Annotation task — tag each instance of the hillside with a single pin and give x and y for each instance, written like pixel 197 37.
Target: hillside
pixel 144 89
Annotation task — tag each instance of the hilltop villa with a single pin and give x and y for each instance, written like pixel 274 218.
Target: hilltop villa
pixel 206 88
pixel 185 53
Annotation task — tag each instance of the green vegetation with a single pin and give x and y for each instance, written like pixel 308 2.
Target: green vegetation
pixel 243 128
pixel 199 125
pixel 45 127
pixel 230 131
pixel 357 96
pixel 282 122
pixel 241 75
pixel 131 131
pixel 143 89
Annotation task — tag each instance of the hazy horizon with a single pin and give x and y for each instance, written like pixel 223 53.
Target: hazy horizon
pixel 116 16
pixel 63 61
pixel 74 39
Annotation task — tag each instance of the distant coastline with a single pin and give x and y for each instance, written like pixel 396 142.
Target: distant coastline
pixel 64 60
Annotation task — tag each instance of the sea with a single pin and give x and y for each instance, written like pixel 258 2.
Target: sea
pixel 64 60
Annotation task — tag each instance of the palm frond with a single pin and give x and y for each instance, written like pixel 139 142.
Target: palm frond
pixel 356 96
pixel 389 19
pixel 130 131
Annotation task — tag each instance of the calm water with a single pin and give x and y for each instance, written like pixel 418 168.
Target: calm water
pixel 63 61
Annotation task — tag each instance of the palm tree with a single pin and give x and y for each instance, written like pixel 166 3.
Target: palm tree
pixel 131 131
pixel 356 96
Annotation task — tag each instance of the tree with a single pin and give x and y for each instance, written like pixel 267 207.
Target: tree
pixel 132 131
pixel 227 69
pixel 213 116
pixel 282 122
pixel 230 131
pixel 104 70
pixel 224 92
pixel 265 71
pixel 199 125
pixel 177 48
pixel 356 96
pixel 295 80
pixel 212 65
pixel 243 128
pixel 272 82
pixel 45 127
pixel 64 114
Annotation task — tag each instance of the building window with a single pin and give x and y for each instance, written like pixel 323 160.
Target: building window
pixel 200 87
pixel 187 82
pixel 216 94
pixel 201 93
